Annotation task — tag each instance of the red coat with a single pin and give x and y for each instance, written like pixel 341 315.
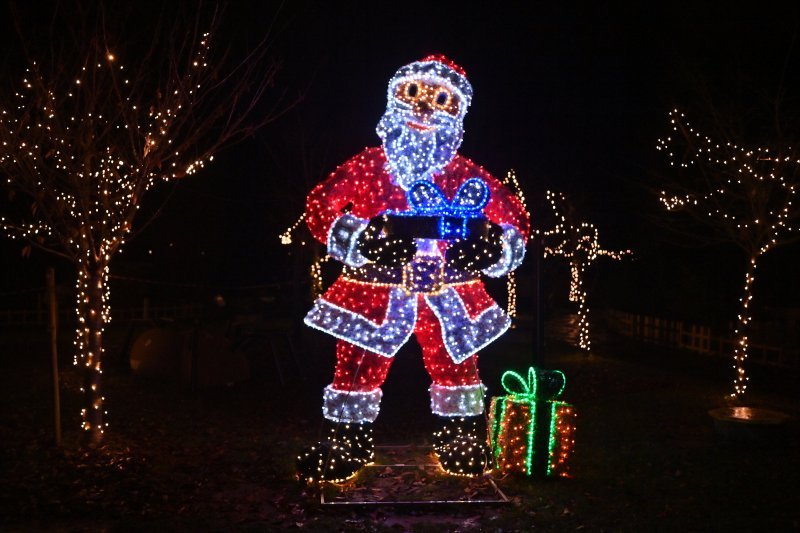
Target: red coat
pixel 380 316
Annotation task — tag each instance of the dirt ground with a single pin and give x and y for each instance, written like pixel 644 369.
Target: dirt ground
pixel 647 457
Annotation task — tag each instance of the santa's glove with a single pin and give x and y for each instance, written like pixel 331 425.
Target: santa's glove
pixel 384 249
pixel 476 253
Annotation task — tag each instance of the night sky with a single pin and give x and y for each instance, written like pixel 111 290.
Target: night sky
pixel 571 95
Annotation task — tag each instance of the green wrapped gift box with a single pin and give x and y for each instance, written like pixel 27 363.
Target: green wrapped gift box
pixel 530 430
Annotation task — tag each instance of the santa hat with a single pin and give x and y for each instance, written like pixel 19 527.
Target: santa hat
pixel 436 68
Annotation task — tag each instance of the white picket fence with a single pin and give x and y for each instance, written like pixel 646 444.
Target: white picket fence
pixel 696 338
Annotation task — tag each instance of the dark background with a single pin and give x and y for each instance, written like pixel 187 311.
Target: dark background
pixel 573 96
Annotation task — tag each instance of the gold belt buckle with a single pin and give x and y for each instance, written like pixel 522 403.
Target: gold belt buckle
pixel 424 275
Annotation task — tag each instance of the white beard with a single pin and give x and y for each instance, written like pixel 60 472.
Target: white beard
pixel 416 155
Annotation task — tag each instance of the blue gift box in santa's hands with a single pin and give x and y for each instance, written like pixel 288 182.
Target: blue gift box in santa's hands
pixel 432 216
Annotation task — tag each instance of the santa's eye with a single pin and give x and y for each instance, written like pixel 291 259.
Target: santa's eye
pixel 412 90
pixel 442 98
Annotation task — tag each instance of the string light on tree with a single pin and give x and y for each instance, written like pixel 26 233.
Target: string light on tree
pixel 83 139
pixel 745 195
pixel 286 236
pixel 578 243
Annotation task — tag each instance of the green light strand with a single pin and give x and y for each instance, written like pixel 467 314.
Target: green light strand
pixel 531 433
pixel 552 441
pixel 563 383
pixel 523 387
pixel 500 428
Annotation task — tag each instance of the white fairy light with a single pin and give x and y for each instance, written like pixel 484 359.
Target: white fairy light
pixel 84 145
pixel 746 195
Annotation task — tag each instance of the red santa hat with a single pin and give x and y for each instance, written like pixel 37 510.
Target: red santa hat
pixel 436 68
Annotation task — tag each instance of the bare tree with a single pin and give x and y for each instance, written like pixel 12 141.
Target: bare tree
pixel 579 243
pixel 84 136
pixel 743 195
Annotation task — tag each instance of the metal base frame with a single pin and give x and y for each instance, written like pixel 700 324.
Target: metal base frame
pixel 419 474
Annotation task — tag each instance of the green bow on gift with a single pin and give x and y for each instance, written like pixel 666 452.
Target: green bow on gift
pixel 541 385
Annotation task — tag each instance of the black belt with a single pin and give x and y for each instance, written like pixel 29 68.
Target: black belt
pixel 435 226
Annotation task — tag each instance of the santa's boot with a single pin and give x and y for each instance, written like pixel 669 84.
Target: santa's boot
pixel 339 456
pixel 460 444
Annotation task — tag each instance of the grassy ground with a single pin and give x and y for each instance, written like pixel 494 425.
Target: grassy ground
pixel 647 458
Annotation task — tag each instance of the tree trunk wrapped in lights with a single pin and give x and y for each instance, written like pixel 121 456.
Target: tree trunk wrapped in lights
pixel 92 318
pixel 744 196
pixel 83 137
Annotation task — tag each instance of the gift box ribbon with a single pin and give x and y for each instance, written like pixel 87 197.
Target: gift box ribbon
pixel 452 219
pixel 426 198
pixel 540 385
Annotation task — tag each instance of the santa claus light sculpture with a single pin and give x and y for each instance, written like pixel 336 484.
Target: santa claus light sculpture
pixel 415 225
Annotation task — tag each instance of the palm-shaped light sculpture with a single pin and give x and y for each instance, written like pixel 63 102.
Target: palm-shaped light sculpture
pixel 579 243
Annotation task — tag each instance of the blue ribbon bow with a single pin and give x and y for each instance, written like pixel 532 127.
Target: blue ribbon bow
pixel 427 199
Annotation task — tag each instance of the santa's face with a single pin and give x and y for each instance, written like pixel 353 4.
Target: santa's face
pixel 421 129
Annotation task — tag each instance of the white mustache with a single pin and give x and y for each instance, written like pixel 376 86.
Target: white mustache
pixel 415 154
